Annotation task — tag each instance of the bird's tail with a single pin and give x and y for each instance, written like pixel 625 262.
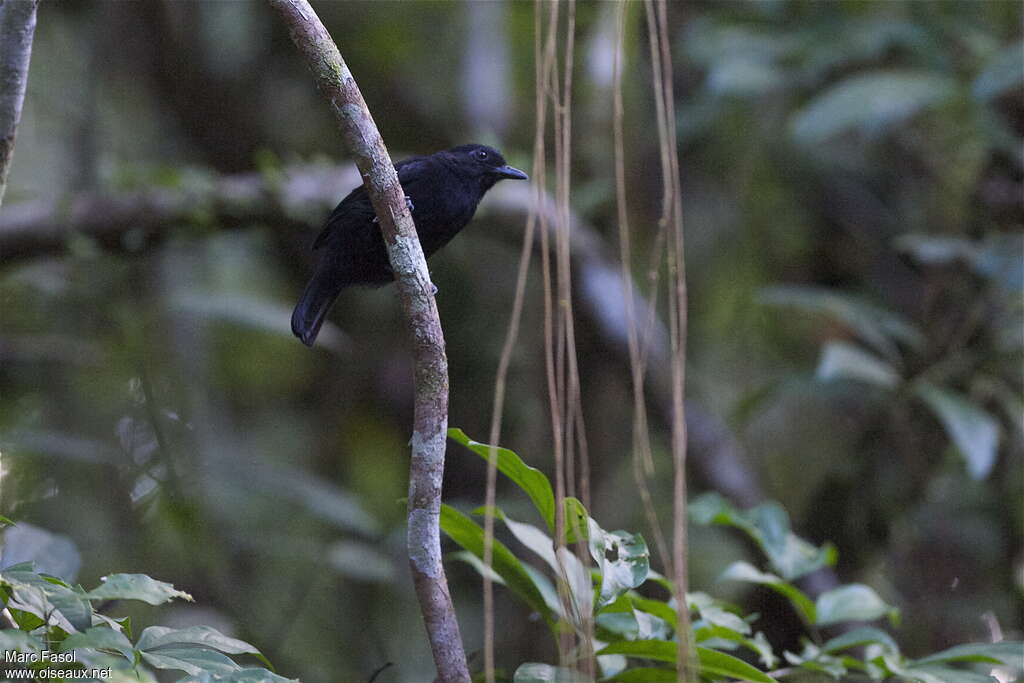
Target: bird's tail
pixel 312 308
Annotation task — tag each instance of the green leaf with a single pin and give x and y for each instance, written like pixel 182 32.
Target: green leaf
pixel 13 640
pixel 6 521
pixel 531 480
pixel 843 361
pixel 714 613
pixel 852 602
pixel 658 650
pixel 466 533
pixel 581 591
pixel 768 525
pixel 136 587
pixel 715 663
pixel 974 431
pixel 623 559
pixel 545 673
pixel 100 638
pixel 646 674
pixel 1005 652
pixel 860 636
pixel 240 676
pixel 660 609
pixel 878 327
pixel 940 674
pixel 869 103
pixel 744 571
pixel 206 636
pixel 193 660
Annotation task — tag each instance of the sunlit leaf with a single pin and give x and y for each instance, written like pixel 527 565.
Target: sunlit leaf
pixel 858 637
pixel 136 587
pixel 744 571
pixel 545 673
pixel 470 536
pixel 974 431
pixel 1007 653
pixel 843 361
pixel 531 480
pixel 852 602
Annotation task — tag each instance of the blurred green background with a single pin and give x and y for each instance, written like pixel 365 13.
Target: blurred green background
pixel 852 179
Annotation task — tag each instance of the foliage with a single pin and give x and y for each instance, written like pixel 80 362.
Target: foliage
pixel 635 634
pixel 59 626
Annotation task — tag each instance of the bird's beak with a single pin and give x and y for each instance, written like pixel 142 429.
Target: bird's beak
pixel 510 172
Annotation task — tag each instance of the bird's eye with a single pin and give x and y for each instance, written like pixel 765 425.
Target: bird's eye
pixel 481 155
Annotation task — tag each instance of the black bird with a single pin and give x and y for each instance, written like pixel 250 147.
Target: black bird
pixel 442 190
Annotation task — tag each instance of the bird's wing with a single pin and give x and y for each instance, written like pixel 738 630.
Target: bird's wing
pixel 356 208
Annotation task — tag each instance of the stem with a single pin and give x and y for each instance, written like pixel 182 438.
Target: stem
pixel 415 292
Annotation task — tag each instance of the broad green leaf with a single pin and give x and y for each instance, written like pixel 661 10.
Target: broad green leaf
pixel 470 536
pixel 646 674
pixel 713 613
pixel 852 602
pixel 657 650
pixel 768 525
pixel 533 538
pixel 240 676
pixel 860 636
pixel 477 564
pixel 6 521
pixel 531 480
pixel 13 640
pixel 744 571
pixel 581 591
pixel 933 673
pixel 136 587
pixel 545 673
pixel 193 660
pixel 974 431
pixel 99 638
pixel 1005 652
pixel 878 327
pixel 660 609
pixel 160 636
pixel 869 103
pixel 843 361
pixel 623 560
pixel 52 604
pixel 715 663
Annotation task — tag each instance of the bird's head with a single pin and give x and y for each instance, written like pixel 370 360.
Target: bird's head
pixel 484 163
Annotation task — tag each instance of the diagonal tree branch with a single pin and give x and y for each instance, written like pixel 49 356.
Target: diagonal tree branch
pixel 415 292
pixel 17 24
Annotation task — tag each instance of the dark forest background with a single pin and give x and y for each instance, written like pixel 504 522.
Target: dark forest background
pixel 852 177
